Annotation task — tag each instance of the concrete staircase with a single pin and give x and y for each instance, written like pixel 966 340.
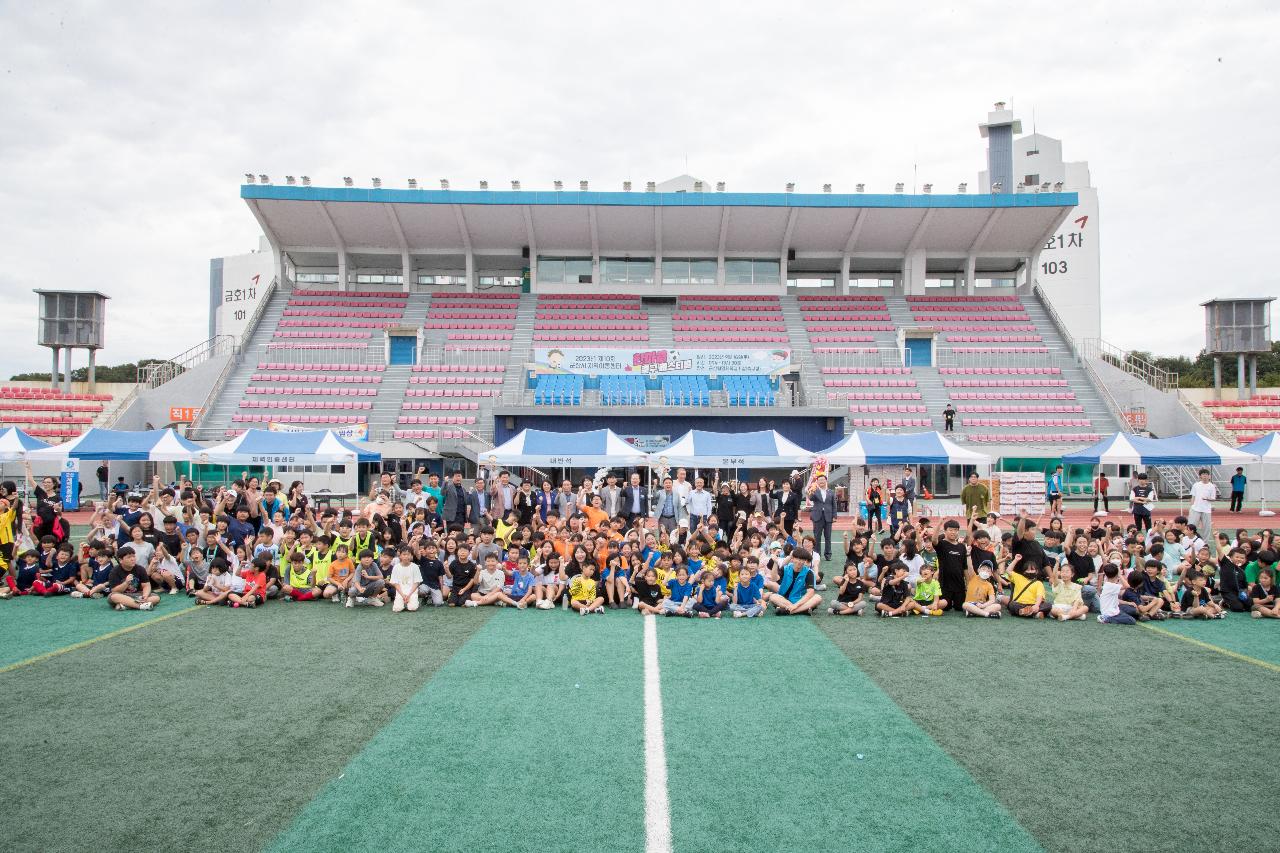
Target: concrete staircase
pixel 513 385
pixel 1060 355
pixel 252 350
pixel 660 311
pixel 802 357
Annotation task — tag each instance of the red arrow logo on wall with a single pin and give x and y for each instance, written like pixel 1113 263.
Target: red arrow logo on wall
pixel 1081 221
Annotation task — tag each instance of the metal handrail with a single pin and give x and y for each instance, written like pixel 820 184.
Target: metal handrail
pixel 237 356
pixel 1211 426
pixel 1059 325
pixel 1156 377
pixel 1105 393
pixel 157 374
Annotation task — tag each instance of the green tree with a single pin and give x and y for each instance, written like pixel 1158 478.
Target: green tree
pixel 125 373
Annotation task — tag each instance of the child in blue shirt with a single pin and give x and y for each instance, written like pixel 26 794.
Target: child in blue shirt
pixel 24 575
pixel 746 601
pixel 520 591
pixel 681 589
pixel 708 599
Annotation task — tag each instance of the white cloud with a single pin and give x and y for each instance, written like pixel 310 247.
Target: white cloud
pixel 128 126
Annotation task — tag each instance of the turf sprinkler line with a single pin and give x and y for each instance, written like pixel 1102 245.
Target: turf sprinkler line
pixel 1210 646
pixel 657 806
pixel 84 644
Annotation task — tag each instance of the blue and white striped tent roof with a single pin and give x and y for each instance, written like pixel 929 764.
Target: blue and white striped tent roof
pixel 565 449
pixel 267 447
pixel 913 448
pixel 1266 448
pixel 1191 448
pixel 733 450
pixel 156 445
pixel 16 444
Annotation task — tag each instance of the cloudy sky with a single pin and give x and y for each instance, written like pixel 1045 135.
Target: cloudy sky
pixel 127 126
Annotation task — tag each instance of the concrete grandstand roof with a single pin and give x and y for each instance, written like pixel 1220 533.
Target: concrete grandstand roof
pixel 670 224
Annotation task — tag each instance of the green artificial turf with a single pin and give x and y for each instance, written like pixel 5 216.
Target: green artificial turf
pixel 32 626
pixel 207 732
pixel 531 738
pixel 1093 736
pixel 1239 633
pixel 775 741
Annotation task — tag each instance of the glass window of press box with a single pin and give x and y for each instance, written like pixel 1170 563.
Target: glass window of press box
pixel 626 270
pixel 565 270
pixel 744 271
pixel 688 271
pixel 72 319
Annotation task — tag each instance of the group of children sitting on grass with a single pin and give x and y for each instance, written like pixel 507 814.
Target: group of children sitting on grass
pixel 222 554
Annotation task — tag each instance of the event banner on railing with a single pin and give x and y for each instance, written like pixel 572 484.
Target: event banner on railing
pixel 658 362
pixel 351 432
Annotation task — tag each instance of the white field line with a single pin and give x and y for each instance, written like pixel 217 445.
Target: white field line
pixel 657 807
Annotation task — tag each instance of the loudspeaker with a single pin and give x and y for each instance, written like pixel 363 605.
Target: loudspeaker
pixel 524 251
pixel 791 254
pixel 831 424
pixel 510 422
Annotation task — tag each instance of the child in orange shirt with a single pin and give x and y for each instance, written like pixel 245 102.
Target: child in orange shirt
pixel 341 570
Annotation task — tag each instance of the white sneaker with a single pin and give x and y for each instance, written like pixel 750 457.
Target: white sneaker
pixel 146 605
pixel 173 591
pixel 737 614
pixel 599 610
pixel 75 593
pixel 470 603
pixel 582 612
pixel 520 606
pixel 351 601
pixel 377 602
pixel 119 607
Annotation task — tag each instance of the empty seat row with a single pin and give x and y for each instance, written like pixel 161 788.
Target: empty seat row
pixel 873 395
pixel 711 297
pixel 994 339
pixel 427 434
pixel 1026 423
pixel 975 298
pixel 597 315
pixel 16 420
pixel 1038 438
pixel 455 380
pixel 305 404
pixel 289 323
pixel 951 316
pixel 727 314
pixel 1000 350
pixel 373 294
pixel 587 296
pixel 311 335
pixel 506 325
pixel 343 303
pixel 1266 425
pixel 728 326
pixel 823 326
pixel 242 418
pixel 997 371
pixel 1012 395
pixel 447 420
pixel 1004 383
pixel 839 297
pixel 456 347
pixel 578 337
pixel 51 432
pixel 749 390
pixel 21 392
pixel 319 378
pixel 888 408
pixel 755 309
pixel 312 366
pixel 459 368
pixel 869 383
pixel 890 422
pixel 496 296
pixel 50 406
pixel 438 406
pixel 861 339
pixel 887 371
pixel 558 390
pixel 363 315
pixel 623 391
pixel 842 339
pixel 731 337
pixel 308 392
pixel 479 336
pixel 452 392
pixel 1260 400
pixel 1019 410
pixel 869 327
pixel 987 327
pixel 686 391
pixel 1003 307
pixel 486 314
pixel 844 316
pixel 590 326
pixel 335 345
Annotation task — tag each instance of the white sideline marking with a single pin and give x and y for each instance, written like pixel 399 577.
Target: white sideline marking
pixel 657 808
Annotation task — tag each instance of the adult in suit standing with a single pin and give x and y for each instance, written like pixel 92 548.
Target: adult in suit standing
pixel 634 500
pixel 611 496
pixel 822 514
pixel 788 509
pixel 454 510
pixel 502 496
pixel 479 503
pixel 566 501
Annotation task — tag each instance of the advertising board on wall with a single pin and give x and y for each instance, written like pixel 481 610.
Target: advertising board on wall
pixel 662 362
